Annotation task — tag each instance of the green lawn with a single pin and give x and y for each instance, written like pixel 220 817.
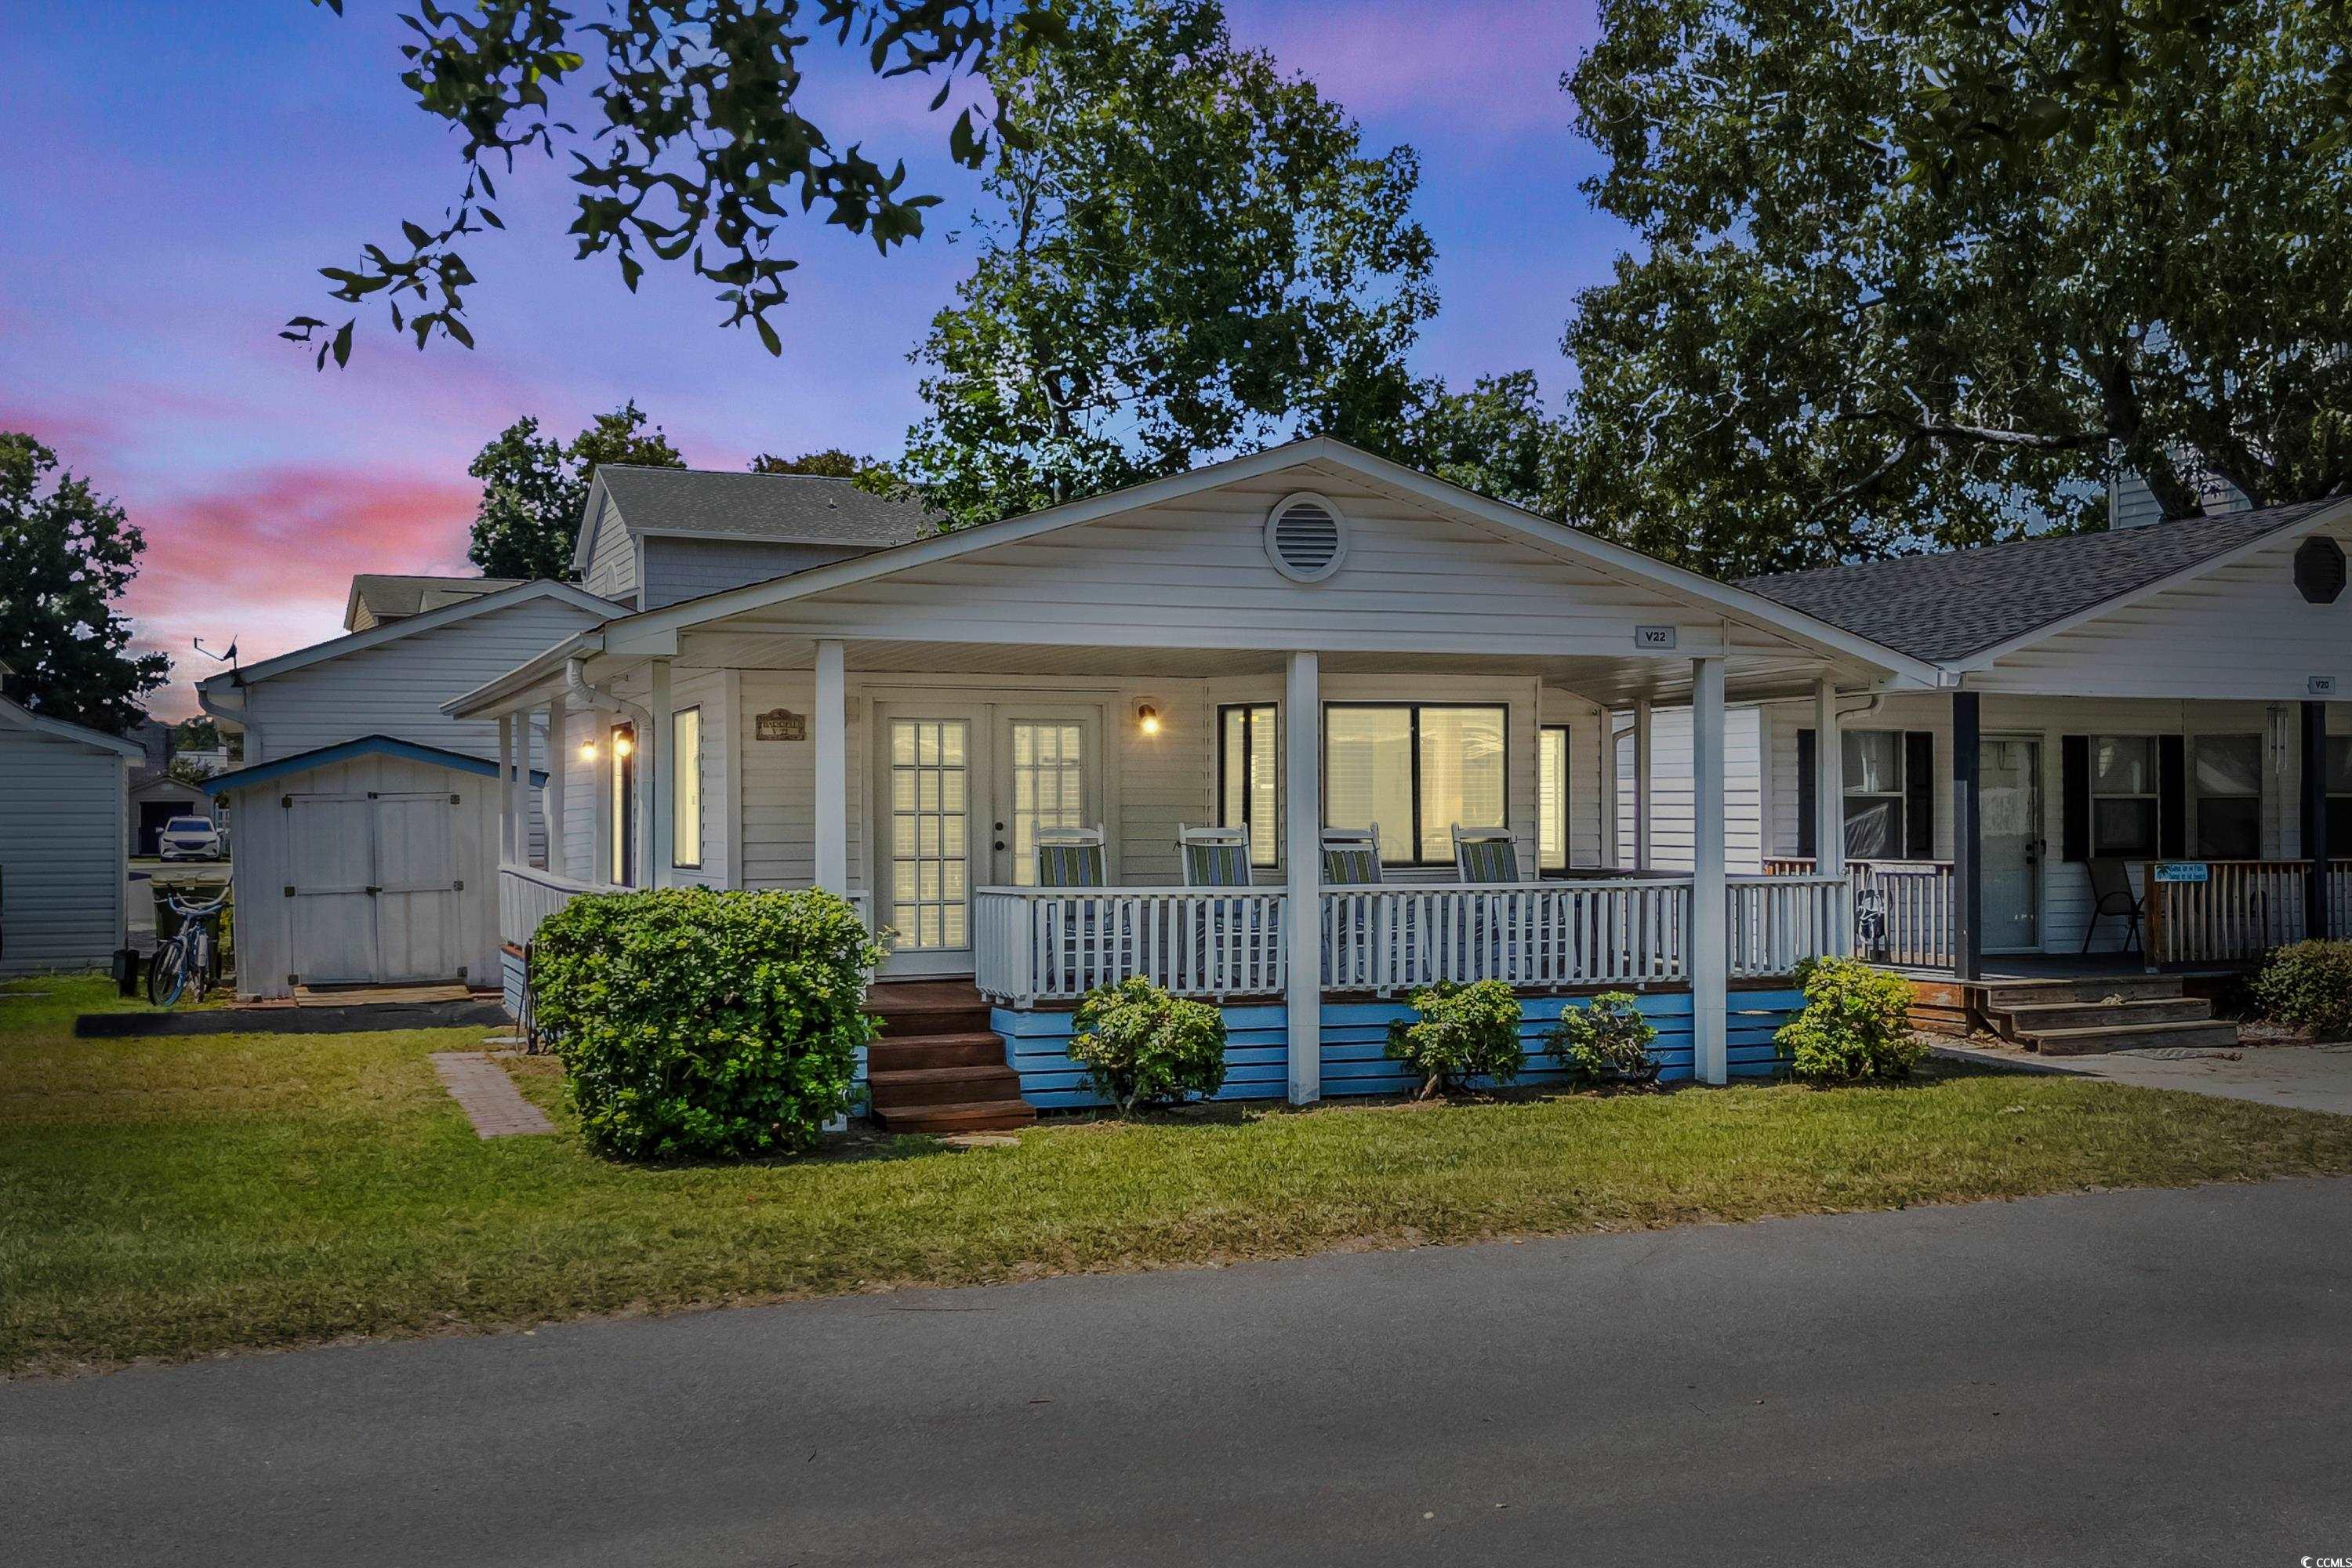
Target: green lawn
pixel 177 1197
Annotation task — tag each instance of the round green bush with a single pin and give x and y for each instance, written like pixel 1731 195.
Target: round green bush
pixel 1606 1041
pixel 1141 1046
pixel 694 1023
pixel 1462 1032
pixel 2307 985
pixel 1856 1023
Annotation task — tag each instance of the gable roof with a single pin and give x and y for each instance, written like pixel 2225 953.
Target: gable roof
pixel 771 509
pixel 408 625
pixel 1947 606
pixel 16 715
pixel 641 632
pixel 344 750
pixel 380 596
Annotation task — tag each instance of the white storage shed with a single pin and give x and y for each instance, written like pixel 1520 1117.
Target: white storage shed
pixel 63 858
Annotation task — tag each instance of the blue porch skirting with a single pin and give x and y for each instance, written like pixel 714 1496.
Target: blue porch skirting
pixel 1355 1034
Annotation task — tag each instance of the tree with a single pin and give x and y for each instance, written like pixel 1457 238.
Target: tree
pixel 870 474
pixel 1817 356
pixel 198 734
pixel 1496 439
pixel 65 557
pixel 1187 253
pixel 533 489
pixel 697 150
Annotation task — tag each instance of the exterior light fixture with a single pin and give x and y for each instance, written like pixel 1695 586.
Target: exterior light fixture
pixel 622 743
pixel 1147 719
pixel 587 751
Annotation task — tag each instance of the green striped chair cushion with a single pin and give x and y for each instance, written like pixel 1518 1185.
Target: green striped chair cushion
pixel 1489 860
pixel 1070 865
pixel 1351 867
pixel 1216 866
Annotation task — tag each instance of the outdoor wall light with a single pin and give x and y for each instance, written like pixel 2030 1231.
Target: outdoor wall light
pixel 1147 719
pixel 623 745
pixel 587 751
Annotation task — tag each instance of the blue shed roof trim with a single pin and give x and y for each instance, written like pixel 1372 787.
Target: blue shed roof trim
pixel 365 746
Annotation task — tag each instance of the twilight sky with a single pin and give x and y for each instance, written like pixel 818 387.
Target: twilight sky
pixel 172 188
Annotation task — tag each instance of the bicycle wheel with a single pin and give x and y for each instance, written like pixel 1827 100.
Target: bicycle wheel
pixel 167 973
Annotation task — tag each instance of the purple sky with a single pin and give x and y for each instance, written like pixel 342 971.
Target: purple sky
pixel 171 189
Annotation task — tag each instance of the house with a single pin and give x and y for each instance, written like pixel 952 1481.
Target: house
pixel 2154 697
pixel 412 641
pixel 1304 635
pixel 655 537
pixel 155 798
pixel 63 842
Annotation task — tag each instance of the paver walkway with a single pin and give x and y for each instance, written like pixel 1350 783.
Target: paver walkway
pixel 489 1098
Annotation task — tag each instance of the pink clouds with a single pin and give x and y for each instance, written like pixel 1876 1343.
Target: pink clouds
pixel 1483 68
pixel 268 560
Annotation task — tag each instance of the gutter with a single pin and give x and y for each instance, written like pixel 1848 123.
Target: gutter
pixel 237 715
pixel 576 688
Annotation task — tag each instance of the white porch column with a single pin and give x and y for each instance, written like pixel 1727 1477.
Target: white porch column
pixel 1302 725
pixel 1610 853
pixel 1709 956
pixel 653 769
pixel 506 789
pixel 551 803
pixel 829 729
pixel 1642 785
pixel 1829 784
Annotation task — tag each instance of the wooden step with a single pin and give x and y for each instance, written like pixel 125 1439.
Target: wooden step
pixel 2002 995
pixel 964 1115
pixel 2045 1017
pixel 2130 1037
pixel 913 1007
pixel 977 1048
pixel 942 1085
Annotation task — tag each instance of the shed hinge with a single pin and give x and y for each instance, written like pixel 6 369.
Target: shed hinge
pixel 453 800
pixel 461 885
pixel 293 980
pixel 371 794
pixel 287 802
pixel 289 891
pixel 372 892
pixel 461 972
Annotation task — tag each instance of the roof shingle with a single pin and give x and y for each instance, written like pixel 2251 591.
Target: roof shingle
pixel 783 509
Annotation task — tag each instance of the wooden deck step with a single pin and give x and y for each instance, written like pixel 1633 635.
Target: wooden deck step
pixel 2045 1017
pixel 965 1116
pixel 2000 995
pixel 976 1048
pixel 2204 1033
pixel 914 1007
pixel 942 1085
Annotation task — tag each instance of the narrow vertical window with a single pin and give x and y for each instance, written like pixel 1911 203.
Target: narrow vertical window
pixel 1245 774
pixel 686 789
pixel 1551 798
pixel 624 816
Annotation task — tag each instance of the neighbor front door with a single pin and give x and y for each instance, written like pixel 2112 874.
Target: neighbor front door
pixel 2008 783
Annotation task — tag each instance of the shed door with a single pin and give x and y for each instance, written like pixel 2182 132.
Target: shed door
pixel 331 910
pixel 418 923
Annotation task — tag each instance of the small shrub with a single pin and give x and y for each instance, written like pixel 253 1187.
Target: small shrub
pixel 1607 1041
pixel 2307 985
pixel 1141 1046
pixel 694 1023
pixel 1463 1032
pixel 1855 1023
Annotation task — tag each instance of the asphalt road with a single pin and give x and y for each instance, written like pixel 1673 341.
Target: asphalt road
pixel 2129 1378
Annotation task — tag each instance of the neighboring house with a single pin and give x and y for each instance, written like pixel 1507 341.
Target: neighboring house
pixel 155 798
pixel 63 844
pixel 423 639
pixel 1303 635
pixel 654 537
pixel 377 597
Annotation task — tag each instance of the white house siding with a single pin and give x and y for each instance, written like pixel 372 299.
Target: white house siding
pixel 1674 829
pixel 681 569
pixel 2237 631
pixel 2065 887
pixel 612 558
pixel 1182 571
pixel 266 861
pixel 62 851
pixel 396 687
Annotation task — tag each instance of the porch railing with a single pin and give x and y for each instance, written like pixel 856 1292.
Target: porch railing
pixel 1033 945
pixel 1913 900
pixel 2240 911
pixel 528 895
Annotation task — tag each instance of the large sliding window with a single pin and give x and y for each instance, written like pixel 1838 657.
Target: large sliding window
pixel 2226 773
pixel 2124 796
pixel 1414 770
pixel 1875 801
pixel 685 764
pixel 1248 768
pixel 1551 798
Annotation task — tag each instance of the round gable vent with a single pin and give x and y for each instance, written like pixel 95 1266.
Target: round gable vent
pixel 1306 537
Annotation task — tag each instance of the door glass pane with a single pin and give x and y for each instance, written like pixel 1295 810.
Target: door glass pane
pixel 929 875
pixel 1048 787
pixel 1460 775
pixel 1368 774
pixel 2230 829
pixel 1551 800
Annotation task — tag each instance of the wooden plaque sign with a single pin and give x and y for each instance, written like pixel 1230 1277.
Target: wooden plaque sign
pixel 781 724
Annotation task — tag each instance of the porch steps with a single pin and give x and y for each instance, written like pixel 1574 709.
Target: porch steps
pixel 937 1066
pixel 2092 1014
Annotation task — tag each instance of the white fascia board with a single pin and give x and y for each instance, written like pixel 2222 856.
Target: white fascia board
pixel 484 699
pixel 590 509
pixel 15 714
pixel 391 631
pixel 2189 573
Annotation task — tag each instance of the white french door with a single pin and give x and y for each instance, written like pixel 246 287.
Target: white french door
pixel 1049 775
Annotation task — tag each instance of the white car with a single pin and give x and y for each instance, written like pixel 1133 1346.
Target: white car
pixel 191 838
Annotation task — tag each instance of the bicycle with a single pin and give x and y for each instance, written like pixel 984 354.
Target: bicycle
pixel 186 958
